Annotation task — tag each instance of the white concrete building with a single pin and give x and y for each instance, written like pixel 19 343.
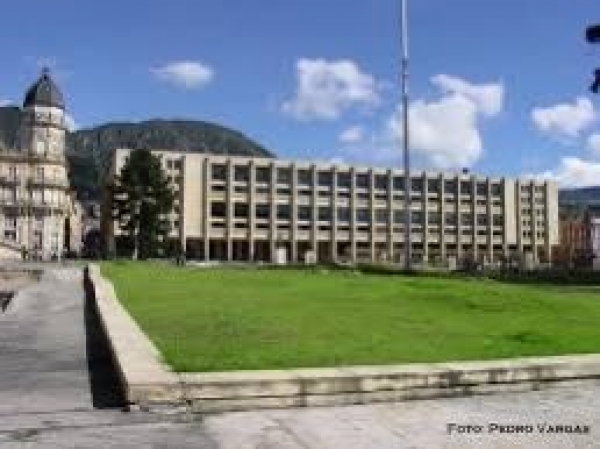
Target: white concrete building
pixel 248 209
pixel 35 199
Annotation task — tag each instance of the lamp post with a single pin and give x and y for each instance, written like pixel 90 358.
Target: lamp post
pixel 406 138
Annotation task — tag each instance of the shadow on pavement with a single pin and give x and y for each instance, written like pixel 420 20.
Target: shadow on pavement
pixel 107 390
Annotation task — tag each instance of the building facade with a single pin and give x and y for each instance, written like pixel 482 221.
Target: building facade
pixel 595 236
pixel 35 198
pixel 249 209
pixel 579 236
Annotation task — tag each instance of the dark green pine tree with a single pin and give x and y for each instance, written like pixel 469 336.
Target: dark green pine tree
pixel 142 201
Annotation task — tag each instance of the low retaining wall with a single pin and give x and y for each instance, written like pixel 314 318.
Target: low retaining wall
pixel 149 383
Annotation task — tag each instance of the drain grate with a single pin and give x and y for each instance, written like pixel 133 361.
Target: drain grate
pixel 5 298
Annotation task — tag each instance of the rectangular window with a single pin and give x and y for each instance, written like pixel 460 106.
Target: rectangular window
pixel 325 179
pixel 284 212
pixel 434 218
pixel 363 215
pixel 263 175
pixel 241 210
pixel 263 211
pixel 417 185
pixel 218 210
pixel 466 220
pixel 482 220
pixel 344 180
pixel 433 186
pixel 466 188
pixel 399 183
pixel 362 181
pixel 325 214
pixel 416 218
pixel 481 189
pixel 399 217
pixel 305 178
pixel 343 214
pixel 219 172
pixel 451 219
pixel 450 187
pixel 242 173
pixel 381 182
pixel 284 175
pixel 381 216
pixel 304 213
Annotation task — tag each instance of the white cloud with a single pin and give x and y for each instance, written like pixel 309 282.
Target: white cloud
pixel 594 143
pixel 574 172
pixel 70 123
pixel 566 120
pixel 488 97
pixel 185 74
pixel 352 135
pixel 446 131
pixel 4 102
pixel 327 89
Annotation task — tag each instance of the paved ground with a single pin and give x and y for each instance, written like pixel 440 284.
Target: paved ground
pixel 56 392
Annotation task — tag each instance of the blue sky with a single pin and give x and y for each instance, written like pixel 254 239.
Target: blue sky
pixel 497 85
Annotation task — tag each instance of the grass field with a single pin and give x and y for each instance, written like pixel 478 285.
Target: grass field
pixel 226 319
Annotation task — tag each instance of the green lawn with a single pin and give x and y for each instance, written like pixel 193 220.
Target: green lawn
pixel 226 319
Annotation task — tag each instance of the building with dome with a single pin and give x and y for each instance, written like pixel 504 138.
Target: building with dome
pixel 35 197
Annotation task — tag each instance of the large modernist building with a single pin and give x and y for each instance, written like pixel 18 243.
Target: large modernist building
pixel 35 199
pixel 252 209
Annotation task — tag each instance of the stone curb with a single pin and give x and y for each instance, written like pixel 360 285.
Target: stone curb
pixel 146 379
pixel 149 383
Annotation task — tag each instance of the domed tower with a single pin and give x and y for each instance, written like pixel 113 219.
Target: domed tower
pixel 43 122
pixel 45 190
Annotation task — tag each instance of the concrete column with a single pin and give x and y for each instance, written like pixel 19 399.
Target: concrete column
pixel 273 206
pixel 533 218
pixel 373 223
pixel 206 219
pixel 353 214
pixel 229 206
pixel 294 207
pixel 251 210
pixel 334 220
pixel 182 207
pixel 442 200
pixel 547 234
pixel 315 211
pixel 459 252
pixel 425 201
pixel 475 235
pixel 390 212
pixel 519 214
pixel 505 245
pixel 490 220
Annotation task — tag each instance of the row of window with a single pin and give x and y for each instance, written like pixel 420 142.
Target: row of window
pixel 343 194
pixel 305 178
pixel 344 214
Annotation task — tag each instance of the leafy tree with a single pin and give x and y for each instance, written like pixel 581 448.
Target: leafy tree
pixel 142 200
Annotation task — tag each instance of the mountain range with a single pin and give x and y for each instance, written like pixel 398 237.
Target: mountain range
pixel 88 150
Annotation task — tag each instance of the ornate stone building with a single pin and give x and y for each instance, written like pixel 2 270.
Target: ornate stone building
pixel 35 197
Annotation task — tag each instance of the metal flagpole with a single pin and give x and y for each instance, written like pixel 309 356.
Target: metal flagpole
pixel 406 138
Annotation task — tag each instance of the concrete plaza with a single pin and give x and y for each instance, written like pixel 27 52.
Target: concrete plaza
pixel 57 391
